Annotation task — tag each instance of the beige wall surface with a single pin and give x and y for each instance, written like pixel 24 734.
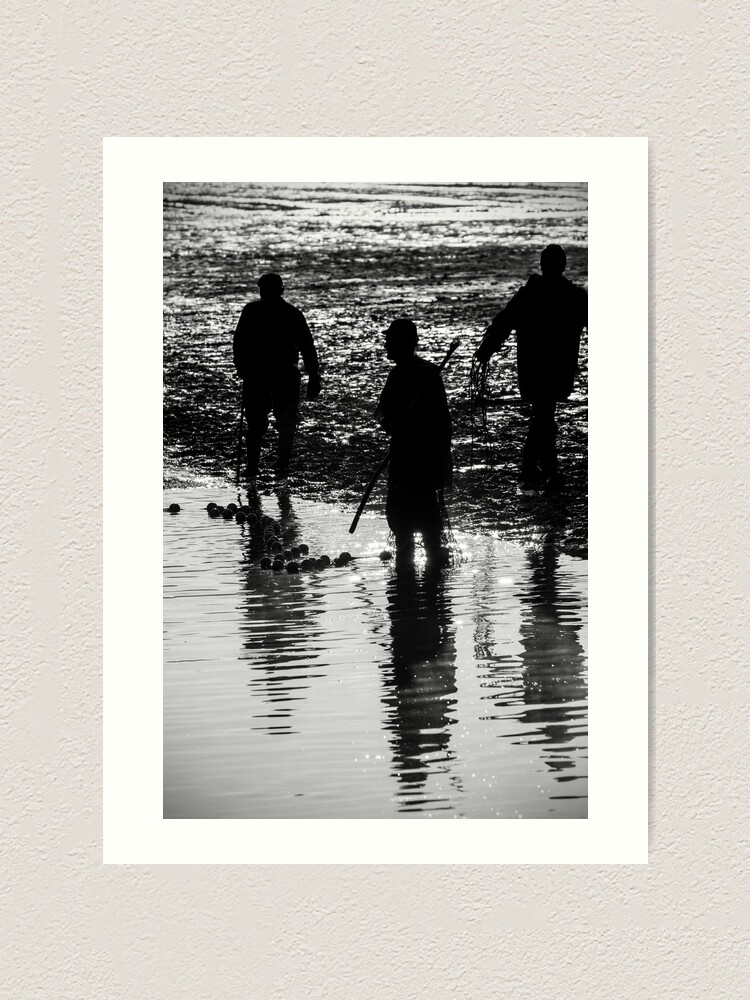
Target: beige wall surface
pixel 675 71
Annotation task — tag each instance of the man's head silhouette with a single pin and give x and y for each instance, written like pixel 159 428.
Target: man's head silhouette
pixel 553 260
pixel 270 286
pixel 400 339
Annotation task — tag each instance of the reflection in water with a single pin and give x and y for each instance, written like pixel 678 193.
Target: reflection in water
pixel 278 634
pixel 449 694
pixel 548 675
pixel 420 686
pixel 552 658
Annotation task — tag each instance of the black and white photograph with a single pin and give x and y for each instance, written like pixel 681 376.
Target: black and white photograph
pixel 375 500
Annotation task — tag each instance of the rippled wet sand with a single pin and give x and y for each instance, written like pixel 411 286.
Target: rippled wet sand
pixel 353 258
pixel 362 692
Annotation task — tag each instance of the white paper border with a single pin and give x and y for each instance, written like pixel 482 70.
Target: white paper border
pixel 616 830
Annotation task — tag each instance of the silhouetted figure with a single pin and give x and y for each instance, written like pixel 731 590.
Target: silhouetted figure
pixel 270 336
pixel 413 409
pixel 420 698
pixel 548 315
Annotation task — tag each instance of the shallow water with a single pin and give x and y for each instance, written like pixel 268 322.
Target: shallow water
pixel 354 257
pixel 360 692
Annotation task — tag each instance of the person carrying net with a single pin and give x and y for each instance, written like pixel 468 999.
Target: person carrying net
pixel 548 314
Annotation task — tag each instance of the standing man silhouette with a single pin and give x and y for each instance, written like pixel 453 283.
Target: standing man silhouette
pixel 270 336
pixel 548 315
pixel 413 409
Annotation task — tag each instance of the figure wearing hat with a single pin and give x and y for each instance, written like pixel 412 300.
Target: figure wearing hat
pixel 413 409
pixel 270 336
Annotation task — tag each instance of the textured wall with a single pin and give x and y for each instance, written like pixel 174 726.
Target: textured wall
pixel 675 71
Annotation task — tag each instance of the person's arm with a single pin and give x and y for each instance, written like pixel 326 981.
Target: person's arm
pixel 384 411
pixel 309 357
pixel 499 329
pixel 239 343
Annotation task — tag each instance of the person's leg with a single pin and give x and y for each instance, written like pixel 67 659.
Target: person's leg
pixel 530 470
pixel 432 527
pixel 404 548
pixel 257 404
pixel 547 437
pixel 539 458
pixel 286 428
pixel 286 412
pixel 433 549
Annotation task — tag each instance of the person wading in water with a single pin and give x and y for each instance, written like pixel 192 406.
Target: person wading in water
pixel 413 409
pixel 270 336
pixel 548 315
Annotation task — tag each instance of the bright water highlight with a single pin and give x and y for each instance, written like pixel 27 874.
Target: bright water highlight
pixel 359 692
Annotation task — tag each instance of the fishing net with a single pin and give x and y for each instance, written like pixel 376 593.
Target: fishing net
pixel 447 539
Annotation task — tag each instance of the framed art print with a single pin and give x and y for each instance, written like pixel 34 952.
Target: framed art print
pixel 376 500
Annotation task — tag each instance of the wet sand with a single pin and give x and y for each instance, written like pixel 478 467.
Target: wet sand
pixel 359 691
pixel 355 257
pixel 362 692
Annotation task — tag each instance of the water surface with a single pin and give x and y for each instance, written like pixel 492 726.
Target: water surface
pixel 365 693
pixel 353 258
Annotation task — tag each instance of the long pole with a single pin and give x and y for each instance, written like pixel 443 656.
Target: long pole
pixel 381 467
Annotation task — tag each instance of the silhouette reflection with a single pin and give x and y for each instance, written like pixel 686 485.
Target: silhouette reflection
pixel 553 659
pixel 420 684
pixel 281 631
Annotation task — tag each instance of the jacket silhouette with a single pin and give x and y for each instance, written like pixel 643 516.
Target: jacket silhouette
pixel 270 337
pixel 413 409
pixel 548 314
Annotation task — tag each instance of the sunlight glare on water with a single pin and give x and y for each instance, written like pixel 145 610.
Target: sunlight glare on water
pixel 361 692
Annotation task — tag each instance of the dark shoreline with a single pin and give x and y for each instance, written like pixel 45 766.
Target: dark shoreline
pixel 485 497
pixel 353 262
